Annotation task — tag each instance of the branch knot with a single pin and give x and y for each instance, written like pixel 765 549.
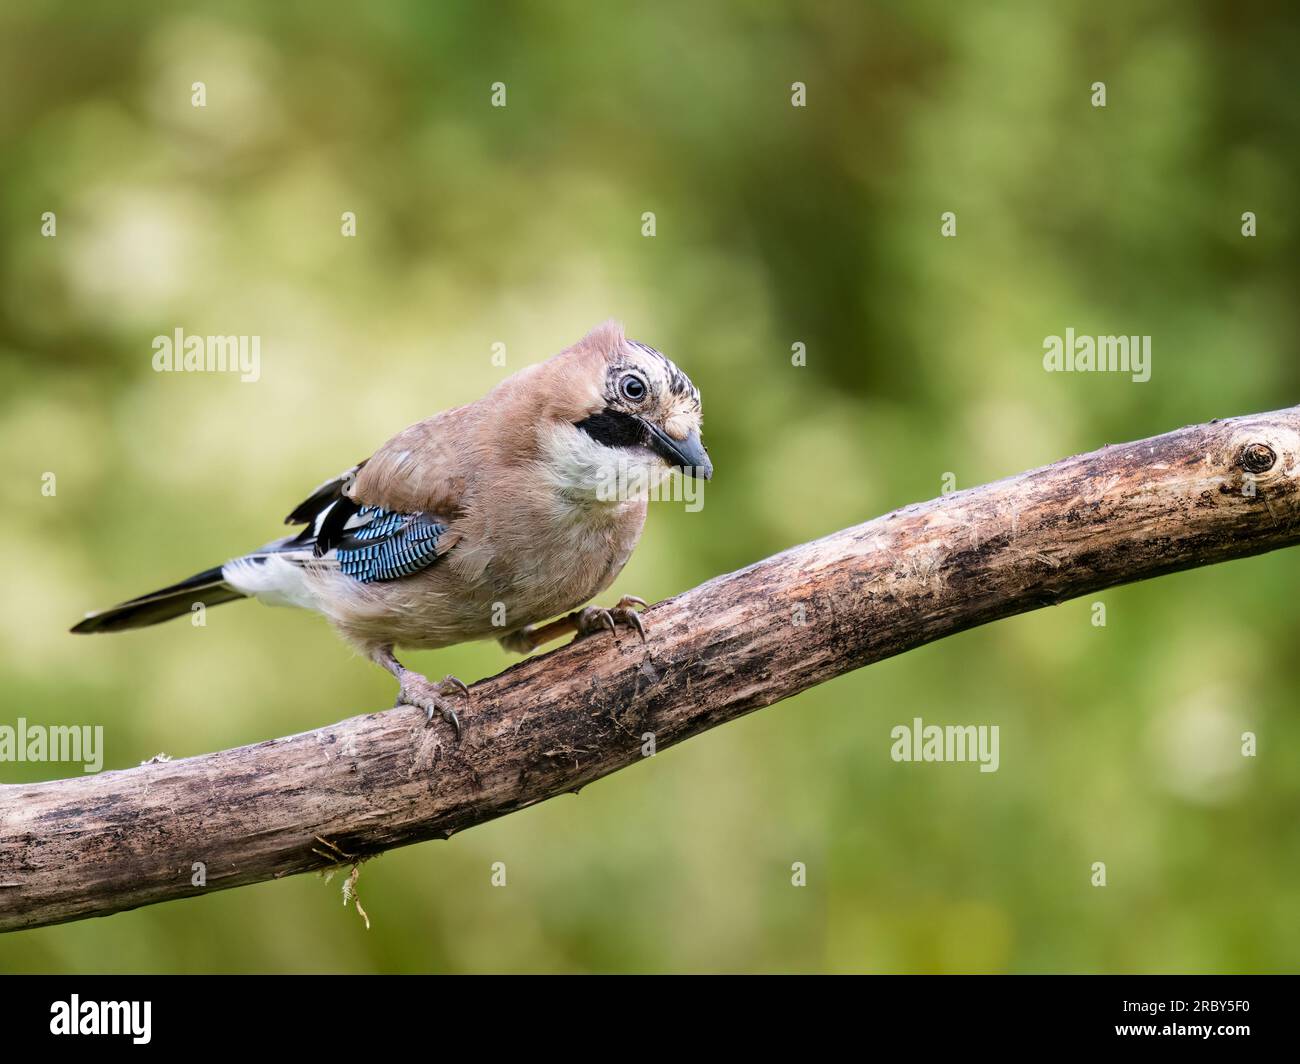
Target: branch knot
pixel 1258 458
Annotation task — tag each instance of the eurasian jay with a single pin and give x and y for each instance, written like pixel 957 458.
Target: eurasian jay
pixel 482 521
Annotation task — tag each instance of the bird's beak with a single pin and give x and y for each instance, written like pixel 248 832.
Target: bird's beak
pixel 688 455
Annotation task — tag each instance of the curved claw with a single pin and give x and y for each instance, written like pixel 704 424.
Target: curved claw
pixel 632 619
pixel 430 697
pixel 594 618
pixel 449 715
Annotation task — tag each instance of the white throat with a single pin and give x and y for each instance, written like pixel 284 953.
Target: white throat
pixel 588 473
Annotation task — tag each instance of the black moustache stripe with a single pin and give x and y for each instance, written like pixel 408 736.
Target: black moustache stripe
pixel 614 428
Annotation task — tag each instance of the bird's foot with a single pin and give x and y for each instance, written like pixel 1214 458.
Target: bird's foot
pixel 598 619
pixel 584 622
pixel 432 697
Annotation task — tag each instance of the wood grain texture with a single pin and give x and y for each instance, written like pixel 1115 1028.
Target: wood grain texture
pixel 94 845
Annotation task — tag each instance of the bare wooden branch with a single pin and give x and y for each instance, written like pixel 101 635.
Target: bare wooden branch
pixel 100 844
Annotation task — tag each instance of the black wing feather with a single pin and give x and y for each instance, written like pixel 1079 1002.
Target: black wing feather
pixel 310 508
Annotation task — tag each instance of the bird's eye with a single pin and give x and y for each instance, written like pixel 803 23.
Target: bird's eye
pixel 633 388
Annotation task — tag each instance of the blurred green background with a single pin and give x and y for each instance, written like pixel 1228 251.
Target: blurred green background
pixel 775 225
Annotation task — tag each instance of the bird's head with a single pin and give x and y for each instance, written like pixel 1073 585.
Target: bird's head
pixel 642 401
pixel 630 405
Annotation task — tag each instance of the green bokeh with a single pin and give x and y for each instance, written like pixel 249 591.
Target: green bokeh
pixel 775 225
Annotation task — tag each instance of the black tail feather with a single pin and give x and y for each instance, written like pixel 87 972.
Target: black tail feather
pixel 206 587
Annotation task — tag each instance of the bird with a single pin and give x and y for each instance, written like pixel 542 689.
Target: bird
pixel 484 521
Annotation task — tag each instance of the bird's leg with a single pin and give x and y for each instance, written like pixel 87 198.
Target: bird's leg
pixel 420 691
pixel 581 623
